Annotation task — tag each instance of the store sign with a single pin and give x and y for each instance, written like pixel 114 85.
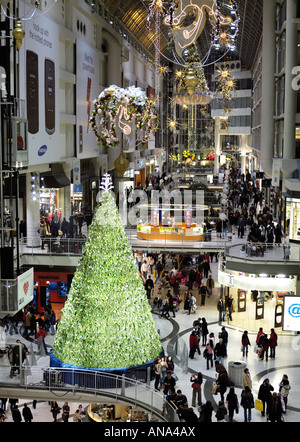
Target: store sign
pixel 25 288
pixel 291 313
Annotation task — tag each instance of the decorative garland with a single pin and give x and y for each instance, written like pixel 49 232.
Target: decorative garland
pixel 126 104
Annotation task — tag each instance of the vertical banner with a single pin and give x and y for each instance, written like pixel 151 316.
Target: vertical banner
pixel 25 288
pixel 103 164
pixel 39 87
pixel 276 173
pixel 188 219
pixel 76 171
pixel 155 217
pixel 87 82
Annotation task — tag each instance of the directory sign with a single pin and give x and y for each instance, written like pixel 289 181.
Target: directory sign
pixel 291 313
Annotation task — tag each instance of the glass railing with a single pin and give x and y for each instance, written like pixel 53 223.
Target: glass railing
pixel 263 252
pixel 74 380
pixel 52 246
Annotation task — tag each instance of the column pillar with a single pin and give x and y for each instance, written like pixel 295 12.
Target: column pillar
pixel 32 216
pixel 290 102
pixel 217 146
pixel 268 85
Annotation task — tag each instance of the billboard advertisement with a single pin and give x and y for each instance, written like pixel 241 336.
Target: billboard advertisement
pixel 39 87
pixel 291 313
pixel 87 86
pixel 25 288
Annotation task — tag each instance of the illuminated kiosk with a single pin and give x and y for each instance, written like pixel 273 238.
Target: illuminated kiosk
pixel 164 227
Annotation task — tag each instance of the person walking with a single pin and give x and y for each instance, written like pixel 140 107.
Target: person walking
pixel 149 286
pixel 144 269
pixel 16 415
pixel 208 354
pixel 229 306
pixel 247 402
pixel 220 351
pixel 273 343
pixel 264 394
pixel 275 408
pixel 245 343
pixel 40 336
pixel 224 336
pixel 193 344
pixel 197 389
pixel 232 403
pixel 284 390
pixel 286 247
pixel 221 309
pixel 26 412
pixel 206 412
pixel 43 233
pixel 221 412
pixel 157 372
pixel 203 293
pixel 55 410
pixel 204 331
pixel 52 320
pixel 247 381
pixel 210 284
pixel 171 303
pixel 66 412
pixel 265 344
pixel 222 382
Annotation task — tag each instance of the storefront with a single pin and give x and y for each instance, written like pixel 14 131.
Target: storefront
pixel 292 218
pixel 51 287
pixel 52 194
pixel 257 297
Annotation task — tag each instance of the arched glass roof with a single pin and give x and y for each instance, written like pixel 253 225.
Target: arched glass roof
pixel 133 14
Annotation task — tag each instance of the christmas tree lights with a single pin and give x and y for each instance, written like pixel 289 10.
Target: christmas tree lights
pixel 106 321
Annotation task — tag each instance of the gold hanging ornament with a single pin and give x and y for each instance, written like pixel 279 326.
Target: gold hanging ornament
pixel 18 33
pixel 121 164
pixel 191 81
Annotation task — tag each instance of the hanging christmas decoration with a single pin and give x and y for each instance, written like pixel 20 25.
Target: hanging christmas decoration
pixel 121 164
pixel 117 107
pixel 187 34
pixel 192 86
pixel 225 86
pixel 223 38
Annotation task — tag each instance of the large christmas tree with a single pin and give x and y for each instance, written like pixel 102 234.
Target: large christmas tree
pixel 106 321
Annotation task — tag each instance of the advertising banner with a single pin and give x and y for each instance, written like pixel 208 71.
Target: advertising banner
pixel 87 81
pixel 291 313
pixel 39 87
pixel 25 288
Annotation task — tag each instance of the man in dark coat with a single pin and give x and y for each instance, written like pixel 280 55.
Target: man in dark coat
pixel 16 415
pixel 149 286
pixel 27 413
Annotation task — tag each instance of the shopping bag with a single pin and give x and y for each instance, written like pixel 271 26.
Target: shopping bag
pixel 214 388
pixel 259 405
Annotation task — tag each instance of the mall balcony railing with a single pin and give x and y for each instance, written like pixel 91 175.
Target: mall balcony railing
pixel 94 383
pixel 75 246
pixel 266 252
